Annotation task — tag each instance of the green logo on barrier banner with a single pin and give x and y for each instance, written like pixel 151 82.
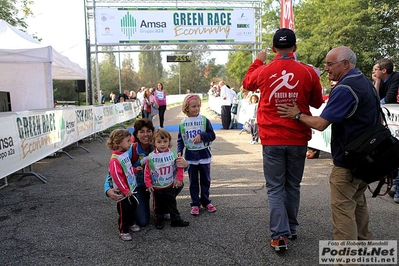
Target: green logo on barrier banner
pixel 327 135
pixel 128 25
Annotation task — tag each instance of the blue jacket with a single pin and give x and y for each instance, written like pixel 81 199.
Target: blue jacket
pixel 196 155
pixel 352 108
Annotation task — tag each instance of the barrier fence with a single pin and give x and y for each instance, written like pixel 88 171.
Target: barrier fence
pixel 29 136
pixel 320 139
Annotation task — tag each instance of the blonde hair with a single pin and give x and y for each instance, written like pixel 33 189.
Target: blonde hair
pixel 187 100
pixel 116 137
pixel 162 134
pixel 146 93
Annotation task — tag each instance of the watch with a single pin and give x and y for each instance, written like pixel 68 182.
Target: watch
pixel 298 116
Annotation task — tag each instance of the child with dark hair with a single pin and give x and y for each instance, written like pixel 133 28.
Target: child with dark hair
pixel 163 178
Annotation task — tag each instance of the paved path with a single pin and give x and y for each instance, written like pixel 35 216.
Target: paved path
pixel 69 221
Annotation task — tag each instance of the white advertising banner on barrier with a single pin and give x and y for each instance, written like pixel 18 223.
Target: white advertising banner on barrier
pixel 10 155
pixel 84 121
pixel 132 25
pixel 29 136
pixel 69 132
pixel 320 139
pixel 109 115
pixel 38 134
pixel 98 113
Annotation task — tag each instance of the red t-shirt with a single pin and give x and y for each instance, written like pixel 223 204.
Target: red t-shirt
pixel 282 81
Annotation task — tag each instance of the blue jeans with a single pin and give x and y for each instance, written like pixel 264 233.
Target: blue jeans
pixel 147 115
pixel 283 169
pixel 142 216
pixel 396 183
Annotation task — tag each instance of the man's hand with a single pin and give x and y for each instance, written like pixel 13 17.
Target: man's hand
pixel 287 111
pixel 262 55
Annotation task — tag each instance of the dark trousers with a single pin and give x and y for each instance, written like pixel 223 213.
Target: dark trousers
pixel 165 202
pixel 202 181
pixel 226 116
pixel 126 209
pixel 161 114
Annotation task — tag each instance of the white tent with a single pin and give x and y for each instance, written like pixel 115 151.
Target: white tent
pixel 28 68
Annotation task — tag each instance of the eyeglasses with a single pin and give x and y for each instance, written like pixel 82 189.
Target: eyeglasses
pixel 330 64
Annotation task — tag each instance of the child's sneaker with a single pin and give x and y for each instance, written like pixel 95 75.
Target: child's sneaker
pixel 396 198
pixel 126 236
pixel 279 244
pixel 211 208
pixel 134 228
pixel 194 210
pixel 392 191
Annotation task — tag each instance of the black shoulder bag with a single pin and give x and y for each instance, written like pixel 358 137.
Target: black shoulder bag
pixel 373 154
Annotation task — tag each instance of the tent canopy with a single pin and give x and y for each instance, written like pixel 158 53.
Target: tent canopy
pixel 29 67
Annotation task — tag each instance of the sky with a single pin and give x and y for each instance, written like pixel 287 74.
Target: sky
pixel 61 24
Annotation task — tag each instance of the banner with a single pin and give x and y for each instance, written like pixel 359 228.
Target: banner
pixel 29 136
pixel 286 15
pixel 132 25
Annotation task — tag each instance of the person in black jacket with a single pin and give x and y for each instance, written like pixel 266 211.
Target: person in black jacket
pixel 386 81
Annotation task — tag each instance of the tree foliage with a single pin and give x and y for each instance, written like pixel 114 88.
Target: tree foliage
pixel 150 69
pixel 367 27
pixel 15 12
pixel 129 76
pixel 109 73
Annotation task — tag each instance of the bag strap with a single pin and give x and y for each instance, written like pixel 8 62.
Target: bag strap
pixel 379 186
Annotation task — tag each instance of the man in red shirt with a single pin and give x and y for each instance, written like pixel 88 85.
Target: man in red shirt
pixel 284 141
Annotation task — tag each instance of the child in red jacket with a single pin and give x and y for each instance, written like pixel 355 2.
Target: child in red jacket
pixel 123 177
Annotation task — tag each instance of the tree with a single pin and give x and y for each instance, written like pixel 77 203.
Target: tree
pixel 369 28
pixel 109 73
pixel 237 65
pixel 15 12
pixel 150 68
pixel 129 76
pixel 64 90
pixel 194 76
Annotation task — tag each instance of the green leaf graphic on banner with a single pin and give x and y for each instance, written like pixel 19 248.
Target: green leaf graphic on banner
pixel 128 25
pixel 62 127
pixel 327 135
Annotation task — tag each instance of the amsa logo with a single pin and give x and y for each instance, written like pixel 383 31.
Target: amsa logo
pixel 157 24
pixel 129 26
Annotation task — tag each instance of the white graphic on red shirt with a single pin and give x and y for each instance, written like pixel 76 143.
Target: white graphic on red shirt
pixel 285 79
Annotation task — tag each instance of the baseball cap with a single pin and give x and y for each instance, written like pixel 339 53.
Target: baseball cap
pixel 284 38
